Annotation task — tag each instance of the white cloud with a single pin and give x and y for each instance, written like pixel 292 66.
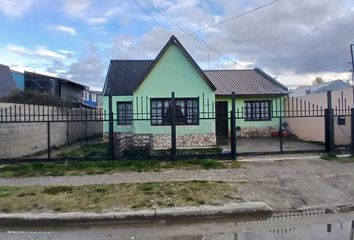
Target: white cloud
pixel 65 29
pixel 96 21
pixel 40 51
pixel 17 49
pixel 76 7
pixel 114 11
pixel 43 52
pixel 14 8
pixel 295 80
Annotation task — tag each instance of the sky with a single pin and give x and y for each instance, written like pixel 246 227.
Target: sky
pixel 294 41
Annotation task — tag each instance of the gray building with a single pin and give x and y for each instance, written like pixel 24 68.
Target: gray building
pixel 7 83
pixel 61 88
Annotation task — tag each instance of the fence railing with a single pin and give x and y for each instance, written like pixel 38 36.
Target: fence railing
pixel 279 110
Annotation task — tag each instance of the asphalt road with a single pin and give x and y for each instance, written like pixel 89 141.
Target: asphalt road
pixel 324 227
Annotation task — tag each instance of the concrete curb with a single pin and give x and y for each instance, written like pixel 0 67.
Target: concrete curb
pixel 175 213
pixel 330 208
pixel 280 157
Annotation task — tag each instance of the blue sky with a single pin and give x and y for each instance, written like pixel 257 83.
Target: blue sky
pixel 295 41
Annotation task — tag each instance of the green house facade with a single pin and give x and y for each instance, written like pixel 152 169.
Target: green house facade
pixel 141 94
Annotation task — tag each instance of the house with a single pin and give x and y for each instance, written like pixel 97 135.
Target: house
pixel 320 88
pixel 7 83
pixel 141 93
pixel 61 88
pixel 92 99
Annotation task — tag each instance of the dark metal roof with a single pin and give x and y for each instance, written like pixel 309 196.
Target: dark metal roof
pixel 7 83
pixel 124 75
pixel 245 82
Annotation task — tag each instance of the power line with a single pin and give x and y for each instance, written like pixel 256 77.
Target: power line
pixel 186 31
pixel 152 17
pixel 232 18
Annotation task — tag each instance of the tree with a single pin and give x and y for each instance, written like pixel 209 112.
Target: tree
pixel 317 81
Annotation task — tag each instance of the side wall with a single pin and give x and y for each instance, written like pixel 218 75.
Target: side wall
pixel 19 79
pixel 20 139
pixel 312 128
pixel 71 92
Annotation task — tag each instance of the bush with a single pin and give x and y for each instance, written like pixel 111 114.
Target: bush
pixel 32 97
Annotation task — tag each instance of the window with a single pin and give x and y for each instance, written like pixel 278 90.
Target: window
pixel 257 110
pixel 93 97
pixel 124 113
pixel 187 111
pixel 86 96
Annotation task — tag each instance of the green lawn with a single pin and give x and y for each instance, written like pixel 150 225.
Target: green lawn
pixel 106 167
pixel 102 198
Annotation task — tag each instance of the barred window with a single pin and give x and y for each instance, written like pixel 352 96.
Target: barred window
pixel 124 113
pixel 257 110
pixel 187 111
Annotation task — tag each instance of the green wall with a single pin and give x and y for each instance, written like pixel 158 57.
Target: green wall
pixel 277 104
pixel 173 73
pixel 116 127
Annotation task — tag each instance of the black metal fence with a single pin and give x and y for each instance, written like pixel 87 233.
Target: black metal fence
pixel 64 126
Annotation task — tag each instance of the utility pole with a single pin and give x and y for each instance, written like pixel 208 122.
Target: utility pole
pixel 352 62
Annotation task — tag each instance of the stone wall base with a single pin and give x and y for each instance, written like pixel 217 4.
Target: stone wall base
pixel 254 132
pixel 163 141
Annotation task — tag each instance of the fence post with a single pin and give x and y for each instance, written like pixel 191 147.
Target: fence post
pixel 86 122
pixel 48 140
pixel 329 124
pixel 352 129
pixel 280 134
pixel 110 127
pixel 173 126
pixel 233 126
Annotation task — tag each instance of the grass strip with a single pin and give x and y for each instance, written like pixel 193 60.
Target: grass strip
pixel 119 197
pixel 106 167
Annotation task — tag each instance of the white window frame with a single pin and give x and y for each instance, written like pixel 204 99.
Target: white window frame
pixel 86 95
pixel 93 97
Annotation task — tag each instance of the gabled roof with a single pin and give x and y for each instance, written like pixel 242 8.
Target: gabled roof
pixel 174 41
pixel 323 87
pixel 124 75
pixel 7 83
pixel 245 82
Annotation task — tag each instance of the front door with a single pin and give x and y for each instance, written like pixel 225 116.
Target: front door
pixel 221 120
